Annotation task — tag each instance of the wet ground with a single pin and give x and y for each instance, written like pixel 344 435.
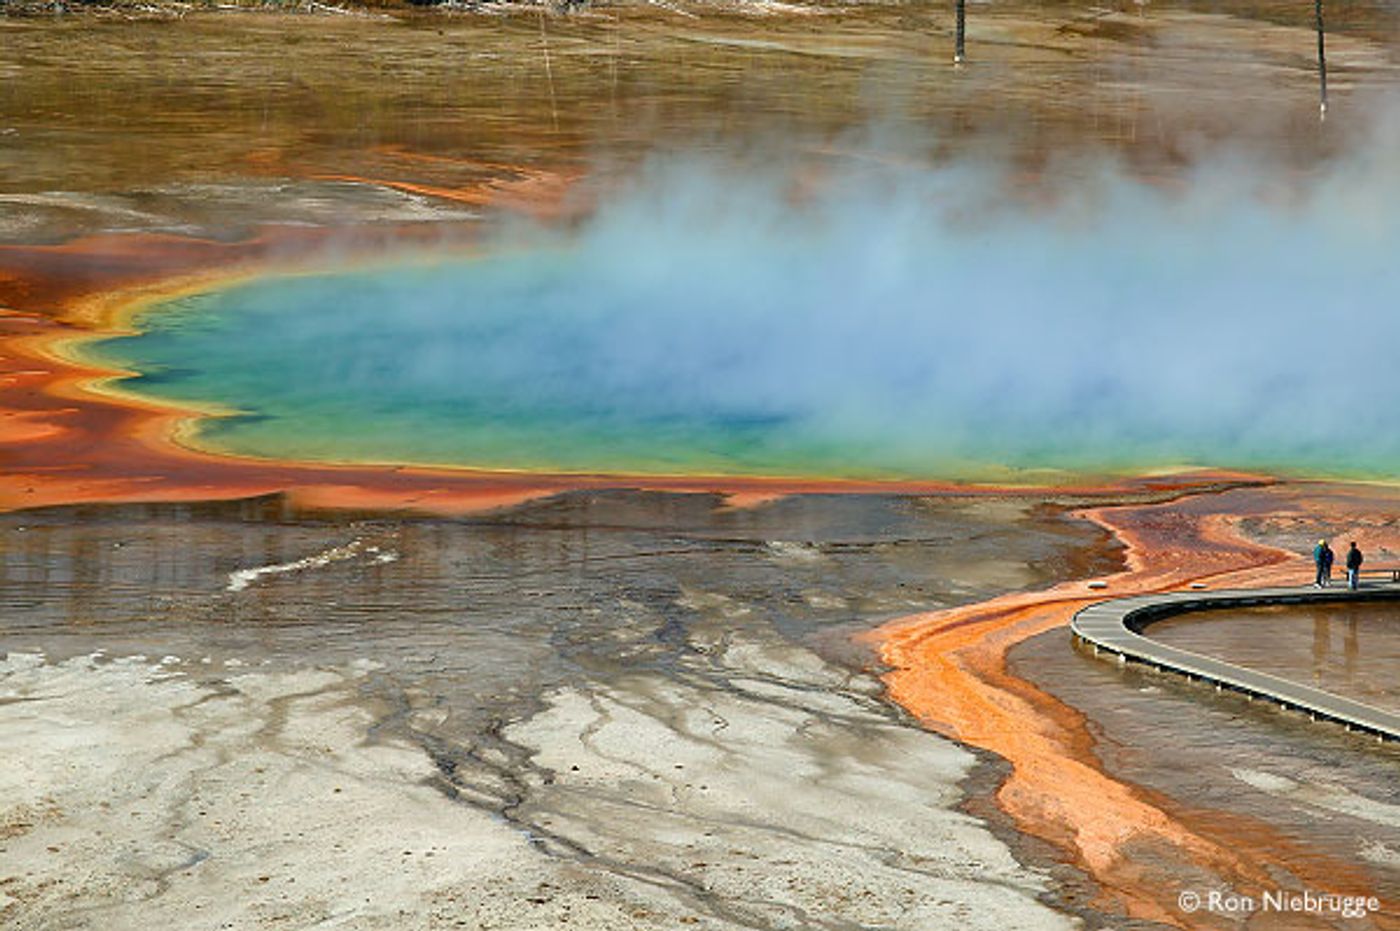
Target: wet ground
pixel 649 690
pixel 214 124
pixel 499 610
pixel 1305 790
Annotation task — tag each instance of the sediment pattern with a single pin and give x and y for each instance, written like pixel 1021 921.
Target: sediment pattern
pixel 613 710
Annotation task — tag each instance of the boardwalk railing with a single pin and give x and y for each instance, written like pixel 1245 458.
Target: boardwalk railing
pixel 1116 628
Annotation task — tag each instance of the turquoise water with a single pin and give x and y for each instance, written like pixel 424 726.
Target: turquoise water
pixel 701 324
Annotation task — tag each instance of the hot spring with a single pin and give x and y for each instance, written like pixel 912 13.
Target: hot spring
pixel 921 323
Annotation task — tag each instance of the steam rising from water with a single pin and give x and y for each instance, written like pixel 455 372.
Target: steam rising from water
pixel 899 320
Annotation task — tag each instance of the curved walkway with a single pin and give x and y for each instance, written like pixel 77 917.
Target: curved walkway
pixel 1115 627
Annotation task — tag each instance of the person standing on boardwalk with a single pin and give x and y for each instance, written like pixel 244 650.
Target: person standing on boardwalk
pixel 1322 558
pixel 1354 559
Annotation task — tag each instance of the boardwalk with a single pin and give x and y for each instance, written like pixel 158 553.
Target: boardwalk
pixel 1115 628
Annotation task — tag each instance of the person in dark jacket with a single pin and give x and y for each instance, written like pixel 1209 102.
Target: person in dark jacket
pixel 1354 560
pixel 1322 558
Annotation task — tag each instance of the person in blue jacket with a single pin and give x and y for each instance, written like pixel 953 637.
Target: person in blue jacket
pixel 1322 558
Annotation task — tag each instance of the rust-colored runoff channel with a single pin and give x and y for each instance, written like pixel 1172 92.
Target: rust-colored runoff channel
pixel 949 668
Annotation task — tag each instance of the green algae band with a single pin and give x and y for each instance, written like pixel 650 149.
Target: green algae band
pixel 709 329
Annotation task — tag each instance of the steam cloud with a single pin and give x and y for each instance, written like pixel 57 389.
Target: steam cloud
pixel 901 320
